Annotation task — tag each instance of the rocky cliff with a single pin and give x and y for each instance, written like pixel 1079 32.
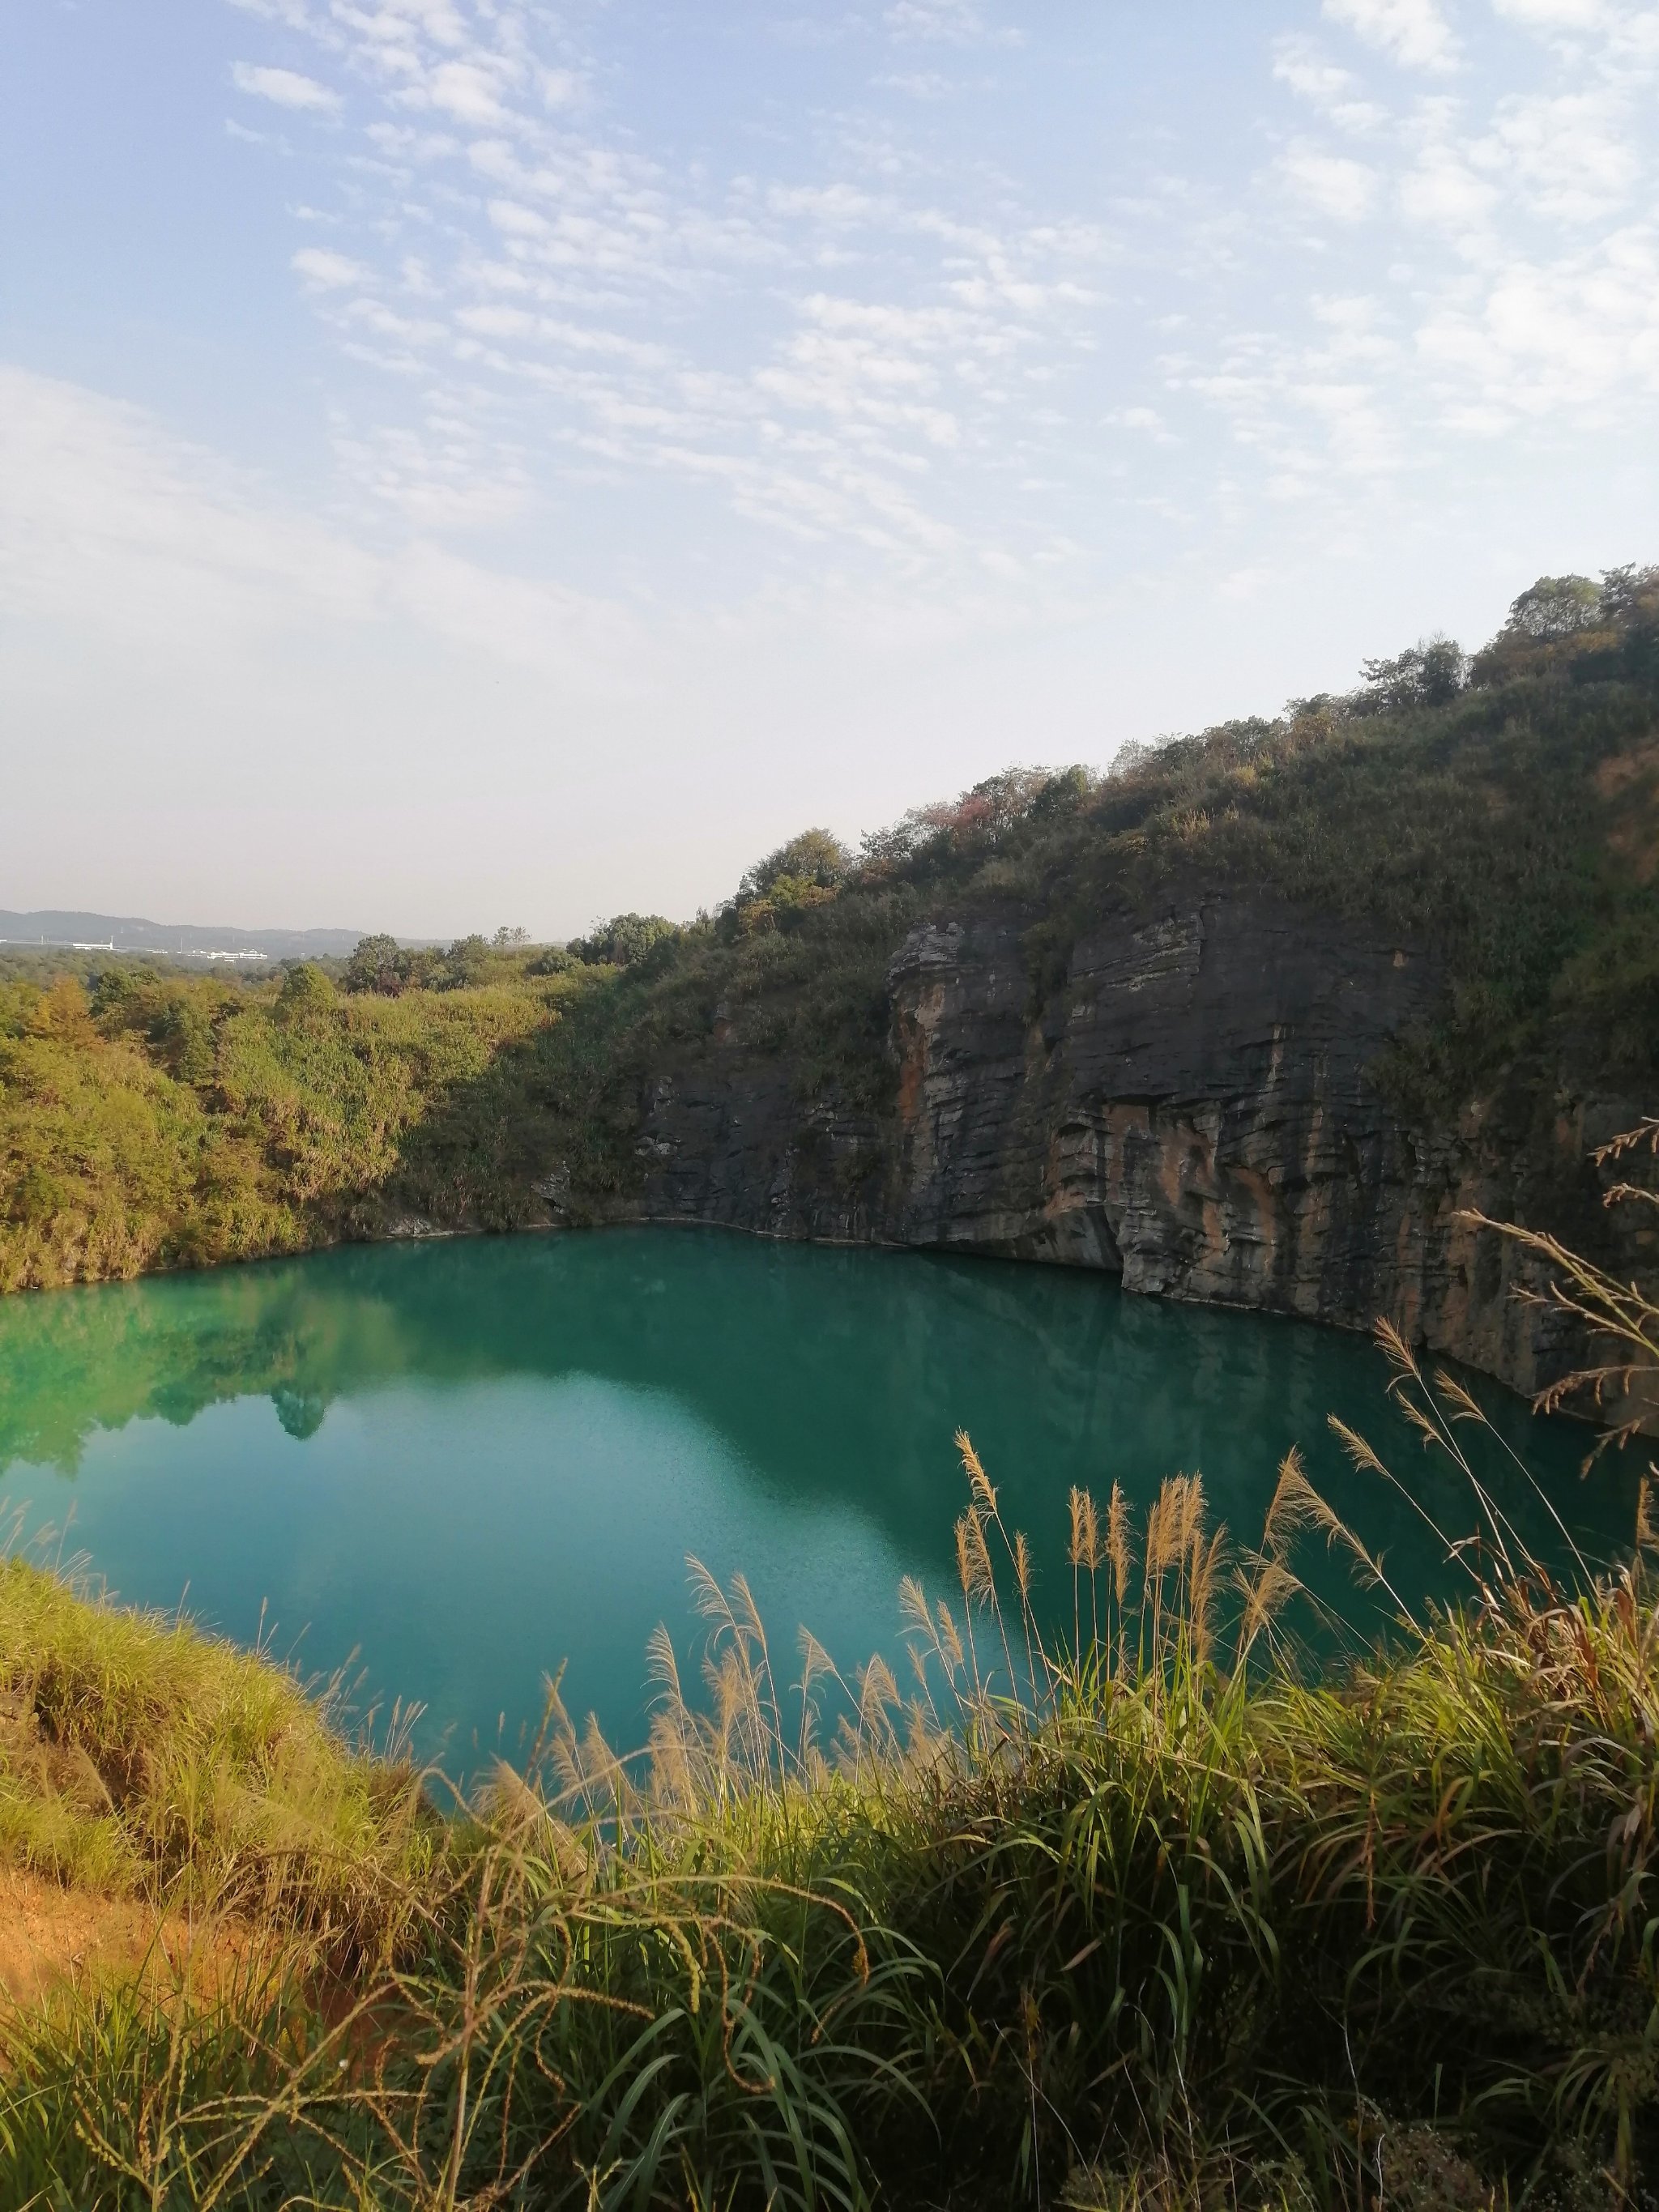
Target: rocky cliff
pixel 1195 1110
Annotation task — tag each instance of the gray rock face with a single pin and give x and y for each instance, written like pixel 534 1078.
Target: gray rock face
pixel 1193 1110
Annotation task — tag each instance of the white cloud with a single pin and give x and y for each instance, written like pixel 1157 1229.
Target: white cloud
pixel 98 509
pixel 287 88
pixel 1567 152
pixel 1330 182
pixel 468 90
pixel 956 22
pixel 519 221
pixel 1555 15
pixel 918 84
pixel 326 271
pixel 867 343
pixel 1484 328
pixel 108 520
pixel 576 300
pixel 1412 32
pixel 1146 420
pixel 1443 192
pixel 1554 343
pixel 1299 65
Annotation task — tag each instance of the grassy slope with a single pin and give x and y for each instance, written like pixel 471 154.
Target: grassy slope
pixel 175 1121
pixel 182 1123
pixel 1182 1924
pixel 138 1757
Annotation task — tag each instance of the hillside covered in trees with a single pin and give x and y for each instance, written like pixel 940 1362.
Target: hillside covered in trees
pixel 1498 813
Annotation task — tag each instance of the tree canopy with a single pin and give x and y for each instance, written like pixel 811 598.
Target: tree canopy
pixel 622 941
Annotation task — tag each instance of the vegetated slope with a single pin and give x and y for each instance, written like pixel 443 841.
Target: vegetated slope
pixel 1507 822
pixel 162 1121
pixel 1488 832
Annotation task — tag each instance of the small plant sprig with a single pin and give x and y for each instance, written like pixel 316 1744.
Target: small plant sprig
pixel 1620 1320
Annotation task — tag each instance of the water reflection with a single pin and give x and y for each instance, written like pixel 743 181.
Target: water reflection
pixel 474 1458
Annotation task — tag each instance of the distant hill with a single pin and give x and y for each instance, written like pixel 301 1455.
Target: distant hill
pixel 180 941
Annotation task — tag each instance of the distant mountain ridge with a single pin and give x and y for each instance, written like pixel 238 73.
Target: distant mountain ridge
pixel 185 940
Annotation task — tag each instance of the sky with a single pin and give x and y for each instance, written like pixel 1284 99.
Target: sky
pixel 478 462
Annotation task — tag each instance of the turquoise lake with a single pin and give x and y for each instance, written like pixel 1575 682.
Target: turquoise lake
pixel 467 1461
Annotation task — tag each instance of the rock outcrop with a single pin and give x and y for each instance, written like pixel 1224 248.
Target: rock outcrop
pixel 1195 1110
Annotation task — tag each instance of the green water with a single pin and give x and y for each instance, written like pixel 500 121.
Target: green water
pixel 468 1461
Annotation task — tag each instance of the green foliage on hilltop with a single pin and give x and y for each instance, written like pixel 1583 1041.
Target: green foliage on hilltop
pixel 623 941
pixel 381 964
pixel 1500 814
pixel 167 1119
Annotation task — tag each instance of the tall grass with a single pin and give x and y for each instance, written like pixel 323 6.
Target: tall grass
pixel 1156 1915
pixel 138 1757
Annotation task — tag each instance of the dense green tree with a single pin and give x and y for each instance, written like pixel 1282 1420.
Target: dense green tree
pixel 1429 673
pixel 815 856
pixel 377 965
pixel 306 993
pixel 1556 607
pixel 622 941
pixel 465 963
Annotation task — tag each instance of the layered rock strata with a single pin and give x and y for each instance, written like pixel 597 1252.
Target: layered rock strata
pixel 1196 1110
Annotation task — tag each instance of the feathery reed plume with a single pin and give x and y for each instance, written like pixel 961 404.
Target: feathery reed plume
pixel 1423 1411
pixel 1024 1575
pixel 1207 1560
pixel 749 1614
pixel 877 1693
pixel 1168 1527
pixel 1083 1550
pixel 1365 1459
pixel 1119 1557
pixel 1465 1406
pixel 1412 1397
pixel 912 1606
pixel 978 1481
pixel 1401 1356
pixel 662 1668
pixel 1118 1550
pixel 1265 1593
pixel 743 1964
pixel 1189 1530
pixel 1297 1505
pixel 1157 1517
pixel 1175 1529
pixel 593 1773
pixel 815 1663
pixel 973 1560
pixel 1023 1568
pixel 676 1770
pixel 1647 1536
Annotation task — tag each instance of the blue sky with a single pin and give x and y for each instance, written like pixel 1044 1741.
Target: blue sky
pixel 467 461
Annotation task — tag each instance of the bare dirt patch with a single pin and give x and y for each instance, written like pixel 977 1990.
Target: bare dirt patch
pixel 50 1935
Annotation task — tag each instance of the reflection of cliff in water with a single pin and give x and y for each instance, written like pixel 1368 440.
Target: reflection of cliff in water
pixel 72 1362
pixel 832 1373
